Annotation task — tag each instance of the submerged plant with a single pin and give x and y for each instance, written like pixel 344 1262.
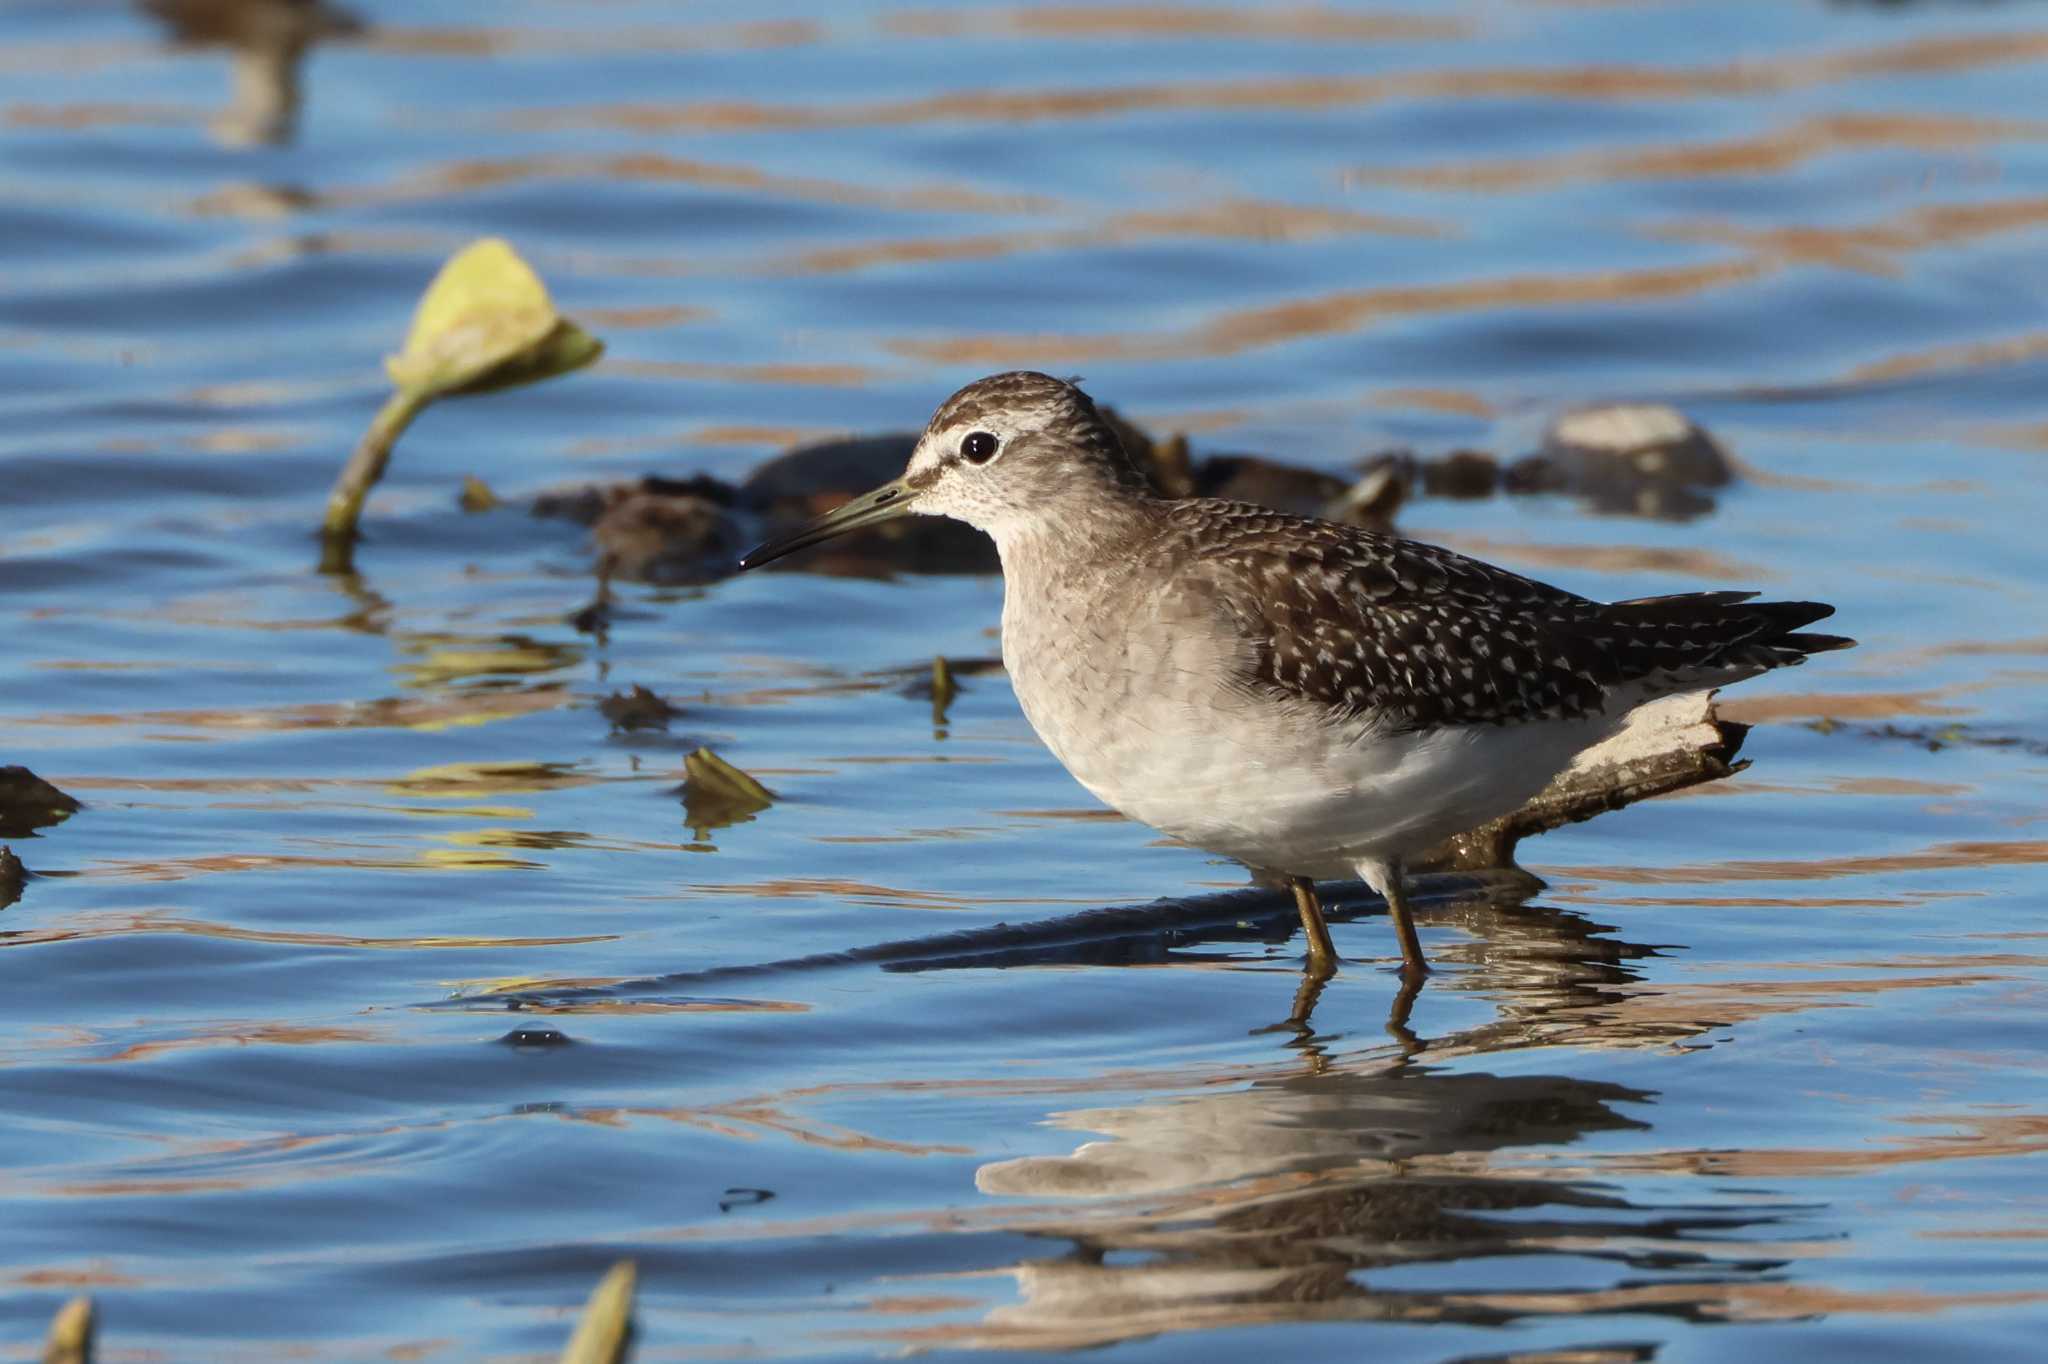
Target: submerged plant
pixel 485 323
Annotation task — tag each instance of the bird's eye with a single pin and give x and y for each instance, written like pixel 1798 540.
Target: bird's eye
pixel 978 448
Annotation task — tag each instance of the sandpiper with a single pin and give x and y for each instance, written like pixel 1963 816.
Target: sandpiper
pixel 1309 698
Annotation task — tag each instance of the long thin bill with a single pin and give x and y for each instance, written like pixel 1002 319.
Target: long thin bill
pixel 885 503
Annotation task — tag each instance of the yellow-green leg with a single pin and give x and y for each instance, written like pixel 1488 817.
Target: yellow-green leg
pixel 1385 877
pixel 1322 953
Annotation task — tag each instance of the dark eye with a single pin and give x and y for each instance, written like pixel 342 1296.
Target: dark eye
pixel 978 448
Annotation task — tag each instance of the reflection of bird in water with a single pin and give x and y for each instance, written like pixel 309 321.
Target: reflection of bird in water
pixel 1309 1124
pixel 1309 698
pixel 1276 1201
pixel 267 40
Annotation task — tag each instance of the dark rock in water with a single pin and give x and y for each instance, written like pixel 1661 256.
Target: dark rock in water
pixel 1379 493
pixel 1370 501
pixel 655 530
pixel 1172 470
pixel 1461 474
pixel 667 538
pixel 582 504
pixel 1284 487
pixel 1164 463
pixel 637 709
pixel 13 877
pixel 1653 441
pixel 1636 459
pixel 586 503
pixel 28 803
pixel 1533 474
pixel 914 544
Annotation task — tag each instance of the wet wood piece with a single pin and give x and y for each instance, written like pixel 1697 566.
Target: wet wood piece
pixel 1669 745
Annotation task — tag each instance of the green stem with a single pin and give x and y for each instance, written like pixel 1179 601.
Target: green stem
pixel 360 474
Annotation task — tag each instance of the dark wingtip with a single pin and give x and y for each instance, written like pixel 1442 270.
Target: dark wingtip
pixel 1791 615
pixel 1814 644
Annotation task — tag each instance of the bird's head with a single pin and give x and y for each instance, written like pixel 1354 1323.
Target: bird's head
pixel 1004 449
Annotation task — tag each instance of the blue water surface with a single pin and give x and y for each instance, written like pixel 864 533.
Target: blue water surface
pixel 1757 1075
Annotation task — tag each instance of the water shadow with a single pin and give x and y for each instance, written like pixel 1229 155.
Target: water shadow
pixel 1556 973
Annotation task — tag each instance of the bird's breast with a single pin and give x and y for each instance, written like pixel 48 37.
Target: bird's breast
pixel 1139 702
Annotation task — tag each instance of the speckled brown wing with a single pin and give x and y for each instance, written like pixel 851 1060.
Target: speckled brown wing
pixel 1416 636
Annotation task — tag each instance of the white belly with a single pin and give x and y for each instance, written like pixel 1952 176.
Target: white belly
pixel 1157 732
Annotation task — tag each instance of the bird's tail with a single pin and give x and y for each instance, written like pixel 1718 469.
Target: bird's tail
pixel 1704 639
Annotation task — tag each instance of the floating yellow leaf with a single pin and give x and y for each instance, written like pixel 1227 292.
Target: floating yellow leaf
pixel 485 323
